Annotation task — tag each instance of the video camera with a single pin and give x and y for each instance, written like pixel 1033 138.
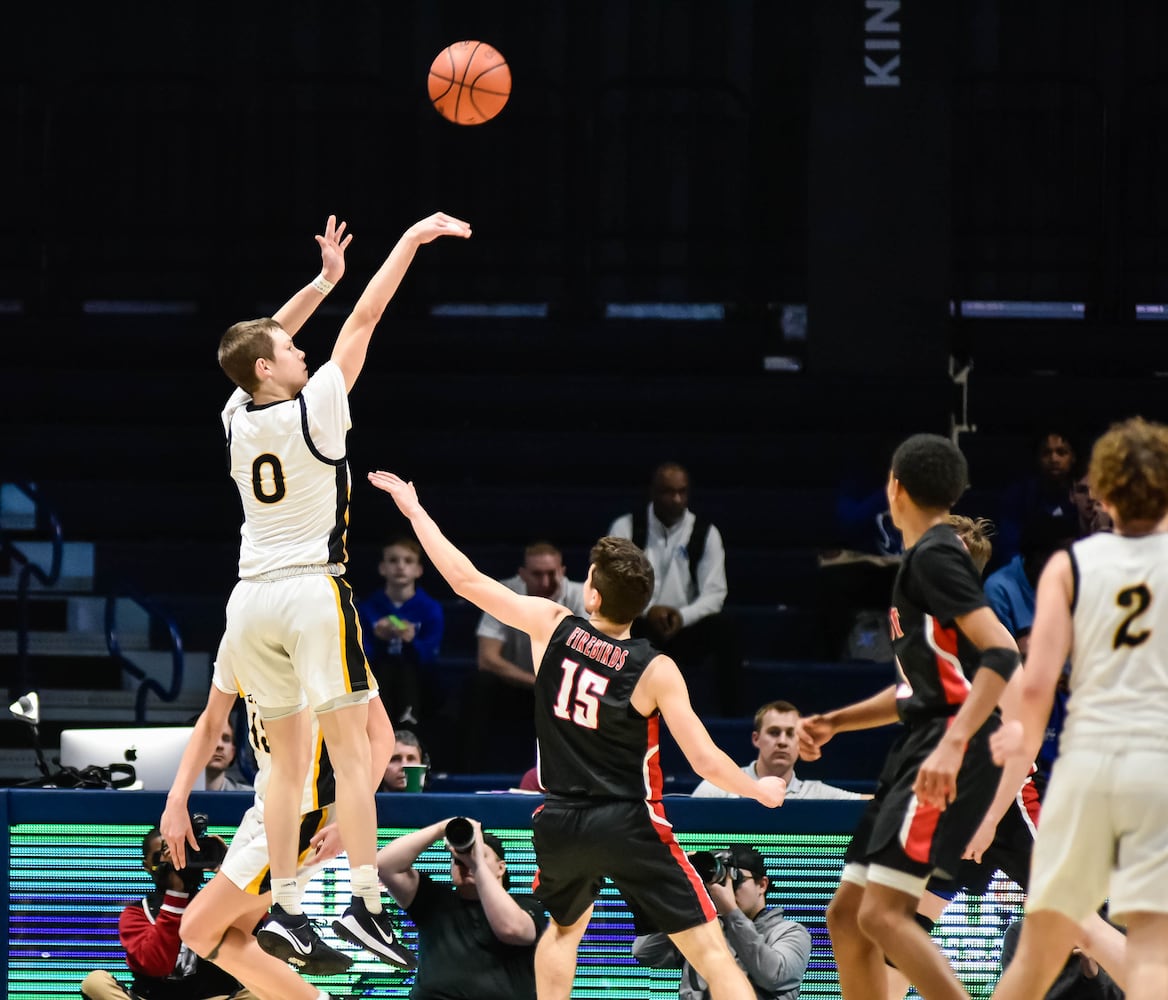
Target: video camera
pixel 210 853
pixel 714 866
pixel 212 849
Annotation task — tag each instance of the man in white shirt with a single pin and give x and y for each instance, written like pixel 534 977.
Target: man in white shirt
pixel 506 652
pixel 500 730
pixel 776 735
pixel 685 617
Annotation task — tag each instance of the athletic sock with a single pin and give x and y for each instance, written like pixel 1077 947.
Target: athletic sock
pixel 286 892
pixel 364 882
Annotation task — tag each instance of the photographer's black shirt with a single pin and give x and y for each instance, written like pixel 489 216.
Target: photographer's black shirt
pixel 459 957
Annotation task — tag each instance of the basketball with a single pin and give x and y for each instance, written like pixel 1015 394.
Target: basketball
pixel 469 82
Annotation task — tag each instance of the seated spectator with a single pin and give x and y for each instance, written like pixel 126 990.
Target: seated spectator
pixel 1011 589
pixel 218 776
pixel 1092 517
pixel 776 735
pixel 406 750
pixel 685 618
pixel 1044 494
pixel 163 967
pixel 474 937
pixel 1082 978
pixel 499 722
pixel 402 629
pixel 506 652
pixel 771 950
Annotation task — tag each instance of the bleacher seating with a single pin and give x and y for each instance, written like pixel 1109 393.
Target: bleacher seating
pixel 506 446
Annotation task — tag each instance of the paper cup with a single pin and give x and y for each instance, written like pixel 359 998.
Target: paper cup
pixel 415 776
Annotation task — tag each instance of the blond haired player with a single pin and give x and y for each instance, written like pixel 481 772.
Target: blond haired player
pixel 292 632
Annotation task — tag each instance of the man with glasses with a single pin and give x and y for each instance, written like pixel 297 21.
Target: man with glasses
pixel 771 950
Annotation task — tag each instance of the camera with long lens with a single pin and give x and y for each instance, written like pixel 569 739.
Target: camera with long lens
pixel 460 835
pixel 714 866
pixel 211 851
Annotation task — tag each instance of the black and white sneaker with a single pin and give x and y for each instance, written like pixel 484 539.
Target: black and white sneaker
pixel 292 939
pixel 374 932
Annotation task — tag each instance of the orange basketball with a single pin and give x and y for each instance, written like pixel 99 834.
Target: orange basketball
pixel 469 82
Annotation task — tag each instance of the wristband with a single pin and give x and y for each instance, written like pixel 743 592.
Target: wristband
pixel 322 284
pixel 1001 661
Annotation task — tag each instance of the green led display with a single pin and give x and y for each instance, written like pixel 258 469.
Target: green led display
pixel 69 882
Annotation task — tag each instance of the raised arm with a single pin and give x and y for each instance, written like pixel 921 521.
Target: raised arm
pixel 395 861
pixel 353 341
pixel 509 921
pixel 536 616
pixel 292 314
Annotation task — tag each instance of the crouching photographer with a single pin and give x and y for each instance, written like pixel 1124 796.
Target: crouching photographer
pixel 771 950
pixel 163 967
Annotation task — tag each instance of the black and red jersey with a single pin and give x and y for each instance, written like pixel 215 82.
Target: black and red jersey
pixel 592 743
pixel 936 584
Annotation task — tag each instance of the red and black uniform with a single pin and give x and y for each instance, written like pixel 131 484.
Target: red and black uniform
pixel 936 584
pixel 1010 850
pixel 599 760
pixel 164 968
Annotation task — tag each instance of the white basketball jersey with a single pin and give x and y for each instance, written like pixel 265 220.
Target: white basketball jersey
pixel 1119 660
pixel 288 462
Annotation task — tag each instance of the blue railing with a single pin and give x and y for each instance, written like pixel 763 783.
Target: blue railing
pixel 147 684
pixel 30 570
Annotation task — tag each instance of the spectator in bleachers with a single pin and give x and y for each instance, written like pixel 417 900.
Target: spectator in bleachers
pixel 1043 494
pixel 500 721
pixel 772 950
pixel 1092 516
pixel 776 736
pixel 402 628
pixel 407 749
pixel 685 618
pixel 506 652
pixel 218 776
pixel 1011 589
pixel 163 967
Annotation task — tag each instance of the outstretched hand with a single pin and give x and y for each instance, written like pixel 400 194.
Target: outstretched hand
pixel 403 493
pixel 814 731
pixel 439 224
pixel 333 245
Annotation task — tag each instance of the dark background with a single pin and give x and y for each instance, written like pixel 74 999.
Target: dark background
pixel 182 156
